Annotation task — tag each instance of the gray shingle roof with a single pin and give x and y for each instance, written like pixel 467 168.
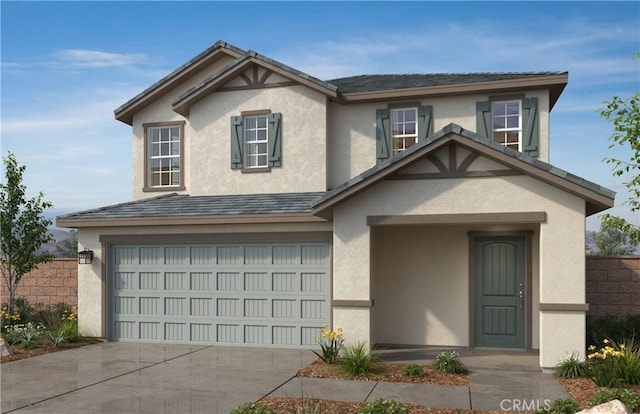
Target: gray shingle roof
pixel 369 83
pixel 184 205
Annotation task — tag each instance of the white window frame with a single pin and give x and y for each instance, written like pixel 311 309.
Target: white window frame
pixel 402 137
pixel 506 129
pixel 167 152
pixel 252 142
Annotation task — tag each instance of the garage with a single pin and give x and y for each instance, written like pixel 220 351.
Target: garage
pixel 250 294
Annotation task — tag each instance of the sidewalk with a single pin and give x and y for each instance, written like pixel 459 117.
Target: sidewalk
pixel 499 380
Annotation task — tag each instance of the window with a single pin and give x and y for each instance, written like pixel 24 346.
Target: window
pixel 401 127
pixel 507 123
pixel 164 156
pixel 404 129
pixel 510 121
pixel 255 141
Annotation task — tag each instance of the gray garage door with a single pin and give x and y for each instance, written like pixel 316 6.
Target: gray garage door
pixel 230 294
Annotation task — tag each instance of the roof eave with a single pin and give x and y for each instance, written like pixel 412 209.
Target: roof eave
pixel 556 83
pixel 125 112
pixel 70 222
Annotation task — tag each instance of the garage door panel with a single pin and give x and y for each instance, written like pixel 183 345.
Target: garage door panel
pixel 252 294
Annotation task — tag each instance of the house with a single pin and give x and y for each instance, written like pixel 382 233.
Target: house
pixel 415 209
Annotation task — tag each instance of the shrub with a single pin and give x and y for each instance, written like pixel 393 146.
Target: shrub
pixel 25 334
pixel 252 408
pixel 615 363
pixel 448 362
pixel 56 338
pixel 571 367
pixel 413 370
pixel 382 406
pixel 357 360
pixel 612 327
pixel 69 329
pixel 628 398
pixel 331 344
pixel 560 406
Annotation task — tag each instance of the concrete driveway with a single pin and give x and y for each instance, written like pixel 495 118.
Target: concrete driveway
pixel 146 378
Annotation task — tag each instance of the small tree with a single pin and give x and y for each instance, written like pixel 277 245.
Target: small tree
pixel 613 238
pixel 68 247
pixel 24 230
pixel 625 116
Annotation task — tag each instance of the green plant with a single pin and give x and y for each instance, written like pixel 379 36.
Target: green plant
pixel 382 406
pixel 331 344
pixel 560 406
pixel 628 398
pixel 612 327
pixel 615 363
pixel 56 338
pixel 24 334
pixel 571 367
pixel 447 361
pixel 252 408
pixel 69 329
pixel 413 370
pixel 358 361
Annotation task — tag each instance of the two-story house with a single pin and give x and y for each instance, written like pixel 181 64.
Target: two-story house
pixel 415 209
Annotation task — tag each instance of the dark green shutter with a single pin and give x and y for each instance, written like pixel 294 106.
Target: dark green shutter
pixel 275 139
pixel 383 135
pixel 425 121
pixel 484 121
pixel 236 142
pixel 530 131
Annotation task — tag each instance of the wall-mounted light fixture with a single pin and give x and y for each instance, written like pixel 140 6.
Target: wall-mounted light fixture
pixel 85 256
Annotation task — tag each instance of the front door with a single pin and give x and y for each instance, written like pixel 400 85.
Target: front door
pixel 500 296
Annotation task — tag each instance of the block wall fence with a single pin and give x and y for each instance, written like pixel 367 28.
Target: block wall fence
pixel 613 284
pixel 49 283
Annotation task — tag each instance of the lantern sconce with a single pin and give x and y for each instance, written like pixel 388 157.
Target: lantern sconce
pixel 85 256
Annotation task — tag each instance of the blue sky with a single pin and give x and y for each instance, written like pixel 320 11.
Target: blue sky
pixel 67 65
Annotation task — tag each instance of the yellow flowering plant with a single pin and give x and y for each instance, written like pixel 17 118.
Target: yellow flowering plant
pixel 615 363
pixel 331 343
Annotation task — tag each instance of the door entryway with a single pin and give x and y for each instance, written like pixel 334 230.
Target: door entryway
pixel 500 291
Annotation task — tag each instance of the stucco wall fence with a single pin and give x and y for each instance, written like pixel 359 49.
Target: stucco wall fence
pixel 49 283
pixel 613 285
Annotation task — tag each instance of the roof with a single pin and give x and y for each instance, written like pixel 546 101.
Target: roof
pixel 362 88
pixel 166 209
pixel 598 197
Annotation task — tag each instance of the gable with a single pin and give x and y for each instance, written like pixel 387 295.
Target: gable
pixel 452 137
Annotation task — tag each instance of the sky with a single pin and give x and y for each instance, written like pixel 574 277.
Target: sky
pixel 65 66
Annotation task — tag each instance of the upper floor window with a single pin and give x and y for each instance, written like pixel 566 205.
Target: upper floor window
pixel 404 128
pixel 400 127
pixel 507 123
pixel 255 141
pixel 164 156
pixel 510 121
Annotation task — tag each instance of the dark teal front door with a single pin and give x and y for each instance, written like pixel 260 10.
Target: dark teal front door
pixel 500 296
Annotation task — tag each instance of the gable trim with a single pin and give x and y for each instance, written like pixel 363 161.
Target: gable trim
pixel 455 174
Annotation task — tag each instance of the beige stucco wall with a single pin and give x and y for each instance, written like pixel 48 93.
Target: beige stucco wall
pixel 352 129
pixel 560 267
pixel 91 294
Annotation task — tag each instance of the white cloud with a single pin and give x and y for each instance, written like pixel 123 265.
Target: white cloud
pixel 88 59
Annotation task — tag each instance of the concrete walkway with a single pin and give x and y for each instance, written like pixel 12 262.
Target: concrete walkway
pixel 148 378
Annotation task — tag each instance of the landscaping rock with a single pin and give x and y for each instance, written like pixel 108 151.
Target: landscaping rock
pixel 4 350
pixel 611 407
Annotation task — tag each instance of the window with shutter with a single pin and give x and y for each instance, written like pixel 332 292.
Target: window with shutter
pixel 256 141
pixel 512 123
pixel 399 128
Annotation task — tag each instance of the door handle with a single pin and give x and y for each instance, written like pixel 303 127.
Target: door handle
pixel 521 295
